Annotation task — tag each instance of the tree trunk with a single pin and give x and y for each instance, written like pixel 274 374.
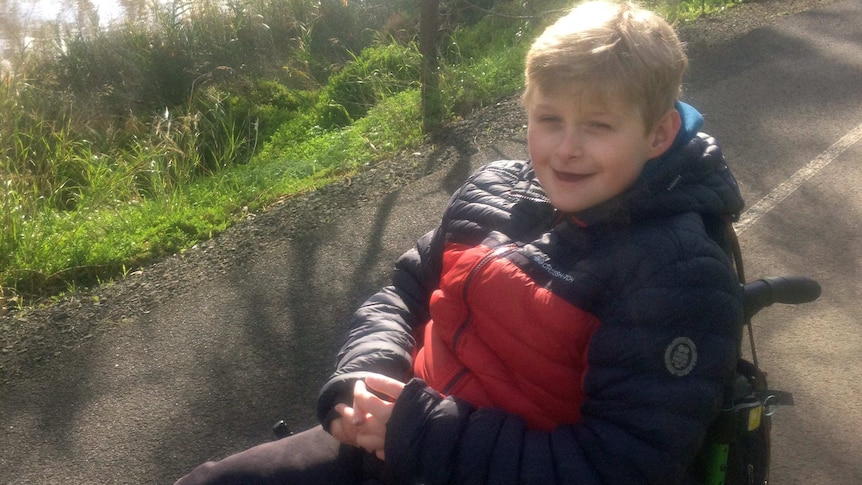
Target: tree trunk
pixel 432 106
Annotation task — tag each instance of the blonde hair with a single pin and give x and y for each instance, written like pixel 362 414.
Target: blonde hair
pixel 612 49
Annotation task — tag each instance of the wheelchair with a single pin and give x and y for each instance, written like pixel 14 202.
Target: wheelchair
pixel 737 446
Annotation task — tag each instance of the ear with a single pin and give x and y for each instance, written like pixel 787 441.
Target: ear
pixel 664 133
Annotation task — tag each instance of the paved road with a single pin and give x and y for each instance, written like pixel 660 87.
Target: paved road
pixel 207 371
pixel 780 101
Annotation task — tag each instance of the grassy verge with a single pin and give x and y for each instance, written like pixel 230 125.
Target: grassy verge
pixel 97 182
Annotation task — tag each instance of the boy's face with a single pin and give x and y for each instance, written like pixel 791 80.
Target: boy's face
pixel 587 150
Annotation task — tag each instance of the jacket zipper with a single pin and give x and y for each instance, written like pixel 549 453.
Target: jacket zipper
pixel 495 254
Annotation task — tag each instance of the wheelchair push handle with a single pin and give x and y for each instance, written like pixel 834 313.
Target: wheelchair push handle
pixel 780 289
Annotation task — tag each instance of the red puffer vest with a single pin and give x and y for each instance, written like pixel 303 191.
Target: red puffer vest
pixel 497 339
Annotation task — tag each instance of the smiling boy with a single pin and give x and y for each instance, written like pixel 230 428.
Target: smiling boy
pixel 586 151
pixel 572 318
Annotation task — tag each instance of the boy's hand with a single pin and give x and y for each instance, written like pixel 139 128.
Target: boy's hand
pixel 342 428
pixel 364 424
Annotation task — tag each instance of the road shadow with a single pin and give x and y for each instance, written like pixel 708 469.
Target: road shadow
pixel 292 300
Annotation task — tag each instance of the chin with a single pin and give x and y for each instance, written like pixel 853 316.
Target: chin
pixel 568 208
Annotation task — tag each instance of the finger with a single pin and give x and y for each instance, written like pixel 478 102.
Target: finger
pixel 350 418
pixel 360 395
pixel 341 408
pixel 339 430
pixel 370 441
pixel 385 386
pixel 346 412
pixel 371 404
pixel 373 407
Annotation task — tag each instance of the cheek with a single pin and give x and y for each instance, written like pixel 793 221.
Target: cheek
pixel 531 136
pixel 627 171
pixel 536 146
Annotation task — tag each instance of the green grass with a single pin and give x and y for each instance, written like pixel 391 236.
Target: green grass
pixel 101 175
pixel 151 210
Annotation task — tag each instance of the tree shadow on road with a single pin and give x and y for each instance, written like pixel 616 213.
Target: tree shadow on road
pixel 294 297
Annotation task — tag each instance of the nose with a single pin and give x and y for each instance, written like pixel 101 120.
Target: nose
pixel 569 145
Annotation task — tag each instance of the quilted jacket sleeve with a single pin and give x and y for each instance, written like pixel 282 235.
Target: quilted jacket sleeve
pixel 647 408
pixel 380 339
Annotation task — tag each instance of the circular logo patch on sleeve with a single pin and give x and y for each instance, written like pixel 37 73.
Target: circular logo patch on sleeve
pixel 680 356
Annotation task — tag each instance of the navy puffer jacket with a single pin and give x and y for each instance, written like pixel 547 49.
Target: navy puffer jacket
pixel 645 266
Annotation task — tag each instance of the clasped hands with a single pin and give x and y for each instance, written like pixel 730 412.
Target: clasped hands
pixel 364 424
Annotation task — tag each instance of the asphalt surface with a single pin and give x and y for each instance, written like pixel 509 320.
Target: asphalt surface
pixel 208 370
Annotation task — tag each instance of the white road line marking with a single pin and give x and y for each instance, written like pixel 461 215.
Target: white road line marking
pixel 778 194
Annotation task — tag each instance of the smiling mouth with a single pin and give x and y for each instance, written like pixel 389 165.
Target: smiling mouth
pixel 571 177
